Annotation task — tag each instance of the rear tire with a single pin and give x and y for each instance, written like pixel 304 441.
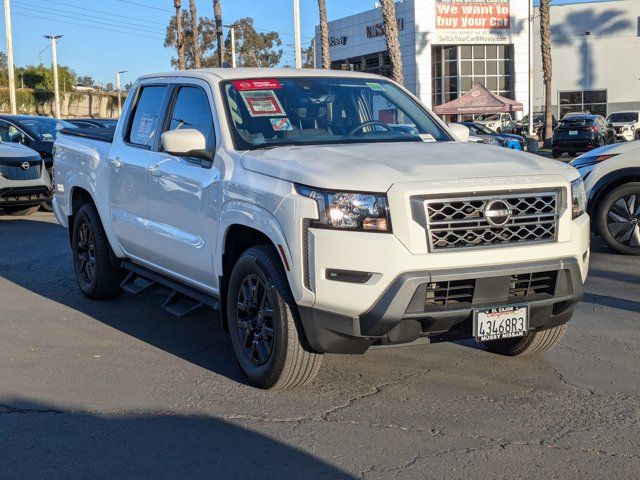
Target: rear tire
pixel 21 211
pixel 532 343
pixel 266 334
pixel 96 276
pixel 618 222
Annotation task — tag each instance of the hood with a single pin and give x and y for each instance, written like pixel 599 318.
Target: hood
pixel 17 152
pixel 377 166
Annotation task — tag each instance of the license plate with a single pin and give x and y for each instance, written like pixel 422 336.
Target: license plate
pixel 500 322
pixel 573 132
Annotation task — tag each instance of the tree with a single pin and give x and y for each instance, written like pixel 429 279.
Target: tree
pixel 217 12
pixel 4 63
pixel 182 64
pixel 390 23
pixel 86 81
pixel 545 44
pixel 324 34
pixel 195 34
pixel 254 49
pixel 307 57
pixel 206 41
pixel 41 77
pixel 109 87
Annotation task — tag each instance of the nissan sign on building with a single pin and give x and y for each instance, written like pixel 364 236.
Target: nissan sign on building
pixel 448 46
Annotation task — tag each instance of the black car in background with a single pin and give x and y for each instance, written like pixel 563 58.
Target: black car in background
pixel 93 122
pixel 581 133
pixel 37 133
pixel 522 126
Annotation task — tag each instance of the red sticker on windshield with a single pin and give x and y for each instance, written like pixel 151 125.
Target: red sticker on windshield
pixel 259 84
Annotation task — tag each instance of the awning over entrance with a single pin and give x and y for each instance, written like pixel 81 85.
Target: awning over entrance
pixel 478 100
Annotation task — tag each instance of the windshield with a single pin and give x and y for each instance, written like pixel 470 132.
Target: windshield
pixel 623 117
pixel 488 118
pixel 314 111
pixel 45 128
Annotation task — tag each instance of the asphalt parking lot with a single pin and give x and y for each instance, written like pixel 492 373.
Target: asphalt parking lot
pixel 122 389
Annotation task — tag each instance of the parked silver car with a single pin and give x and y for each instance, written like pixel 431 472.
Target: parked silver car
pixel 24 181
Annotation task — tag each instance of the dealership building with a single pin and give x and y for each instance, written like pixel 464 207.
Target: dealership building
pixel 450 45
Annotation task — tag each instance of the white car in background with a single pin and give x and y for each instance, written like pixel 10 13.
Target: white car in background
pixel 498 122
pixel 626 124
pixel 612 181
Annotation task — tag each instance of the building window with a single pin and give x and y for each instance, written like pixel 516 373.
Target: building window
pixel 456 69
pixel 378 63
pixel 593 101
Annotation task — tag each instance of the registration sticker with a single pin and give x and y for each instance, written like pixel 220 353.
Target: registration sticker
pixel 262 103
pixel 375 86
pixel 257 84
pixel 281 124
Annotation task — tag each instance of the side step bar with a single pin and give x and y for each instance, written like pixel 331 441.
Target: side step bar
pixel 182 300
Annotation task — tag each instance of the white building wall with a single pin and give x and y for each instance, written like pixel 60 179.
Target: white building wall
pixel 608 58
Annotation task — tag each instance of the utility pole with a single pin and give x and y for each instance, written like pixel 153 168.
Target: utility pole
pixel 296 32
pixel 56 87
pixel 232 34
pixel 530 126
pixel 119 91
pixel 9 35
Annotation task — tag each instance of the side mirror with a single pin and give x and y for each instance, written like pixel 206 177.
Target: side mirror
pixel 460 132
pixel 186 142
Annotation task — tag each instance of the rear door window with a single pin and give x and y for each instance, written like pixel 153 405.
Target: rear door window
pixel 146 114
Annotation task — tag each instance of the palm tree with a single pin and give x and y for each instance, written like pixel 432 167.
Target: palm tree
pixel 391 33
pixel 545 44
pixel 182 63
pixel 194 30
pixel 217 12
pixel 324 34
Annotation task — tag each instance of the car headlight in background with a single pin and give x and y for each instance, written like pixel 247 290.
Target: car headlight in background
pixel 578 198
pixel 365 212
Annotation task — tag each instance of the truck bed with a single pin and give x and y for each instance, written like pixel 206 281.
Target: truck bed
pixel 100 134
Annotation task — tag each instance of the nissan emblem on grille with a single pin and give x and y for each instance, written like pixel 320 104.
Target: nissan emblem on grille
pixel 497 212
pixel 491 220
pixel 25 165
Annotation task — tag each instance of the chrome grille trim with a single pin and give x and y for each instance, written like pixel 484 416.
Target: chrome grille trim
pixel 459 223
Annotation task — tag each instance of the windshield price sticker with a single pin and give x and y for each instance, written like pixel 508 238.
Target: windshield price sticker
pixel 375 86
pixel 259 84
pixel 262 103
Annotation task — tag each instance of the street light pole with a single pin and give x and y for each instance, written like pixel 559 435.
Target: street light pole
pixel 56 87
pixel 9 35
pixel 232 34
pixel 530 126
pixel 119 91
pixel 296 32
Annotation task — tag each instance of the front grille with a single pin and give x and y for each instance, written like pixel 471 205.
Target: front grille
pixel 16 172
pixel 461 222
pixel 532 285
pixel 447 293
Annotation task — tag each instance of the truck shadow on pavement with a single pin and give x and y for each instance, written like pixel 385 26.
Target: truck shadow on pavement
pixel 45 441
pixel 35 255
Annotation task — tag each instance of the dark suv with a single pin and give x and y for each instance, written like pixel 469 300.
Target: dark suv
pixel 581 133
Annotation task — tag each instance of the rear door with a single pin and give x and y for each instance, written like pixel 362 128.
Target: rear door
pixel 184 192
pixel 128 161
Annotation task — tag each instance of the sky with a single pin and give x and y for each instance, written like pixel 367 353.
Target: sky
pixel 103 36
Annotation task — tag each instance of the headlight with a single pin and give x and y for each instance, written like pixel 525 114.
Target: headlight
pixel 578 198
pixel 368 212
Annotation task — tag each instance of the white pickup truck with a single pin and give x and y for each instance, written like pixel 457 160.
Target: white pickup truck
pixel 293 202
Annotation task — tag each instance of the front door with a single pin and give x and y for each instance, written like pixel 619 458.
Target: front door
pixel 184 194
pixel 128 162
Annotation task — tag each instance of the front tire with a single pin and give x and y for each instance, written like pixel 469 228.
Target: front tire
pixel 618 219
pixel 96 276
pixel 21 211
pixel 267 338
pixel 532 343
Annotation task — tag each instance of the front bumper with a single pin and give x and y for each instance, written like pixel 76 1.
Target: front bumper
pixel 401 315
pixel 28 196
pixel 626 136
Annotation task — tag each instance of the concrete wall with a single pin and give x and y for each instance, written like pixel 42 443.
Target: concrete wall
pixel 607 58
pixel 72 104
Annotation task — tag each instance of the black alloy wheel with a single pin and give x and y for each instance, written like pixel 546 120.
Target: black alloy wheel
pixel 255 320
pixel 86 251
pixel 619 219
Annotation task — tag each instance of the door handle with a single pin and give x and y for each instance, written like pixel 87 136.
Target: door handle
pixel 155 171
pixel 115 163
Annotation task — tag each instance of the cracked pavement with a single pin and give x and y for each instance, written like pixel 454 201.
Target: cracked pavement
pixel 123 390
